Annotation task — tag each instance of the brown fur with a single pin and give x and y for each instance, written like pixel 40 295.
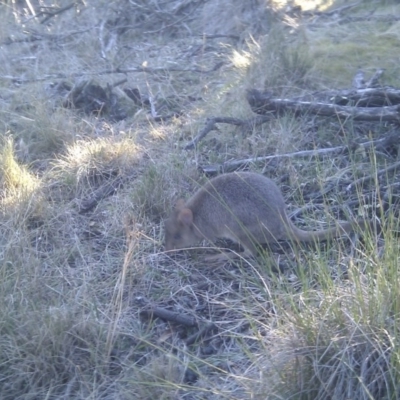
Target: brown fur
pixel 245 207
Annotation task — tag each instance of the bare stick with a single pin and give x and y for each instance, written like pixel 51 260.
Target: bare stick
pixel 35 36
pixel 177 318
pixel 54 13
pixel 373 176
pixel 247 124
pixel 151 311
pixel 234 165
pixel 263 103
pixel 112 71
pixel 102 192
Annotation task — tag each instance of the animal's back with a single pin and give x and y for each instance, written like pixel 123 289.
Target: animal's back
pixel 241 201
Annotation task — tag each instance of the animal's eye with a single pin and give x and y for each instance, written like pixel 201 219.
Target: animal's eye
pixel 177 236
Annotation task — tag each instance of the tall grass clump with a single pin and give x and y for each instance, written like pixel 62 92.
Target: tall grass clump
pixel 21 193
pixel 281 61
pixel 16 180
pixel 339 338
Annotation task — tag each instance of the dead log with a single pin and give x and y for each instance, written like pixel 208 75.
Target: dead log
pixel 369 97
pixel 264 103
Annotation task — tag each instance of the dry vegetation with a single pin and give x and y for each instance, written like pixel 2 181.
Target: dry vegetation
pixel 75 276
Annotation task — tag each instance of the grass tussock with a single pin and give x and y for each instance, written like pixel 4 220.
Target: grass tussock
pixel 90 162
pixel 21 191
pixel 284 59
pixel 49 346
pixel 338 351
pixel 101 154
pixel 77 285
pixel 16 179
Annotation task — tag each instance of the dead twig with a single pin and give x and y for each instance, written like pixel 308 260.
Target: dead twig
pixel 377 175
pixel 104 191
pixel 263 103
pixel 234 165
pixel 150 311
pixel 56 12
pixel 36 36
pixel 172 316
pixel 247 124
pixel 112 71
pixel 218 36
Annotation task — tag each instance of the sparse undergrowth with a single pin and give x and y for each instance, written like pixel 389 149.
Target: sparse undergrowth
pixel 79 264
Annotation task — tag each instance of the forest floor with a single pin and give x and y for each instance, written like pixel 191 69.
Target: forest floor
pixel 98 103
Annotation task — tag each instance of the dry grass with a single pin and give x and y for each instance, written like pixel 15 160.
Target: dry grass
pixel 303 323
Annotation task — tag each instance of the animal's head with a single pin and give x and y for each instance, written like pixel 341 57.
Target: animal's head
pixel 179 228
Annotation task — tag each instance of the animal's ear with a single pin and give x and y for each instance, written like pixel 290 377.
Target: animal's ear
pixel 185 217
pixel 180 205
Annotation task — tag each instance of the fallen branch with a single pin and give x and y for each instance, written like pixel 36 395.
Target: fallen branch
pixel 234 165
pixel 112 71
pixel 263 103
pixel 150 311
pixel 367 97
pixel 54 13
pixel 382 144
pixel 104 191
pixel 376 175
pixel 218 36
pixel 247 124
pixel 172 316
pixel 389 18
pixel 35 36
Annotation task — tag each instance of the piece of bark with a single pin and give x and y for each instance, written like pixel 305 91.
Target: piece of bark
pixel 150 311
pixel 167 315
pixel 106 190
